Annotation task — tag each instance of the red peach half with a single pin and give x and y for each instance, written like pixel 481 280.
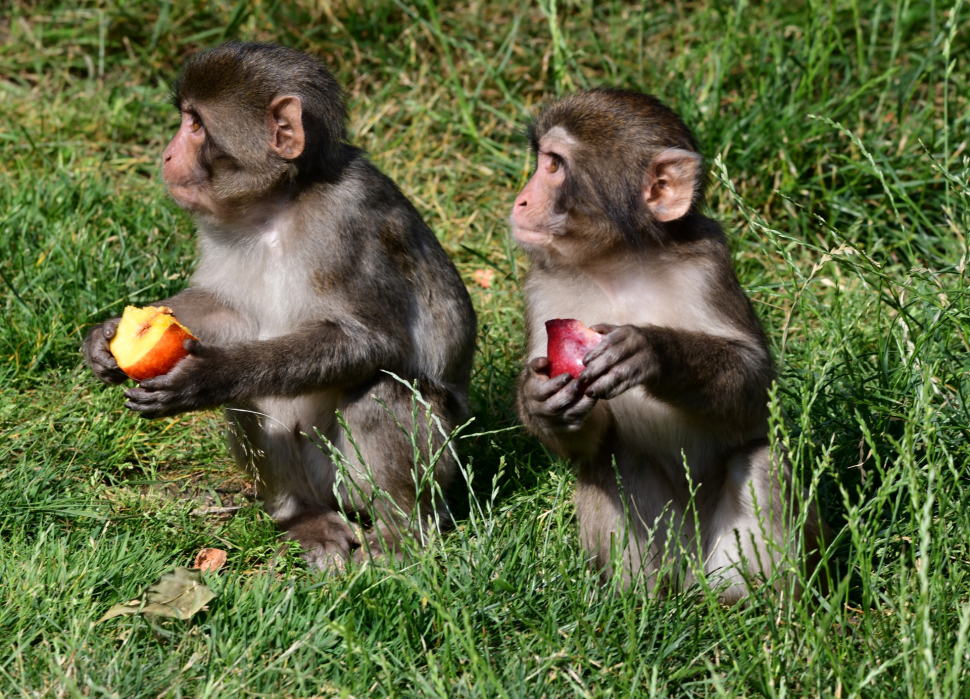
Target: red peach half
pixel 568 342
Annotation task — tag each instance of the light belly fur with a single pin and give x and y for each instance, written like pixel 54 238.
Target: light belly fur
pixel 278 441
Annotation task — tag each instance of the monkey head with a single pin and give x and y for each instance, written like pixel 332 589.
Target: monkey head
pixel 615 169
pixel 255 117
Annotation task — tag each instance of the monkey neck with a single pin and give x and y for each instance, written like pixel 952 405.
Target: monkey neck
pixel 246 220
pixel 253 209
pixel 315 167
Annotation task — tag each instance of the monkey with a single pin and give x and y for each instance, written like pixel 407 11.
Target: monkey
pixel 317 283
pixel 667 424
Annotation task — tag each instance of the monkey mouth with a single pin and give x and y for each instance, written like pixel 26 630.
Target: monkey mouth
pixel 527 236
pixel 188 195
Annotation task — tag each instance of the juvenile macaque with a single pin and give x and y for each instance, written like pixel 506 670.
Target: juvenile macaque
pixel 611 221
pixel 315 277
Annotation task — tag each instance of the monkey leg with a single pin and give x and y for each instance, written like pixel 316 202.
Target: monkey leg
pixel 399 497
pixel 749 534
pixel 626 516
pixel 275 441
pixel 309 490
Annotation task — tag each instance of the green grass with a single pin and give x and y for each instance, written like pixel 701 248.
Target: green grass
pixel 837 133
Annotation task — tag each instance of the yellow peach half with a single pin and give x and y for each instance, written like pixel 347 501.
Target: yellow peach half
pixel 149 342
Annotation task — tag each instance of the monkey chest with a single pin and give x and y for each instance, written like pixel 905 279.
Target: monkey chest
pixel 664 302
pixel 273 291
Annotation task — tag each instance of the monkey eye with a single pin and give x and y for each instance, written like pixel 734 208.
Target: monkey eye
pixel 196 122
pixel 555 163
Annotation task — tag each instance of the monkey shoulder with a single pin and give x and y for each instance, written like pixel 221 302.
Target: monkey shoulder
pixel 707 254
pixel 371 244
pixel 364 207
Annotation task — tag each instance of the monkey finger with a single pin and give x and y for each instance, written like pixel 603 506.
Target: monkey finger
pixel 541 389
pixel 159 383
pixel 540 365
pixel 153 405
pixel 109 328
pixel 111 376
pixel 142 408
pixel 109 373
pixel 563 399
pixel 597 366
pixel 608 345
pixel 99 364
pixel 578 411
pixel 603 328
pixel 618 380
pixel 194 347
pixel 144 396
pixel 104 359
pixel 605 357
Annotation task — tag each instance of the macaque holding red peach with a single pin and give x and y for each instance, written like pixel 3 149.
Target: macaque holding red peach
pixel 678 376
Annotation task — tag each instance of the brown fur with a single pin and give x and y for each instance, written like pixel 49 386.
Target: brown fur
pixel 683 372
pixel 316 277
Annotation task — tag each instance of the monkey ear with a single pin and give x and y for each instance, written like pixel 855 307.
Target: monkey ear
pixel 285 119
pixel 671 182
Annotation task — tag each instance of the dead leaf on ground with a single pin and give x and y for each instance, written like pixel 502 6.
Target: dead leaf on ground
pixel 179 594
pixel 209 559
pixel 483 277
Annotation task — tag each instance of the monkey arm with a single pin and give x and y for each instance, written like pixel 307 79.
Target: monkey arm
pixel 713 377
pixel 207 317
pixel 326 354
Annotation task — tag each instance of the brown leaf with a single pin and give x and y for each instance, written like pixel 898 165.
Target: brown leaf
pixel 210 559
pixel 179 594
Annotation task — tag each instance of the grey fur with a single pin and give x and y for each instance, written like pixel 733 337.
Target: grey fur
pixel 681 376
pixel 323 278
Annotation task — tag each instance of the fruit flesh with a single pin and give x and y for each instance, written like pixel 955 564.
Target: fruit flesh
pixel 568 342
pixel 149 342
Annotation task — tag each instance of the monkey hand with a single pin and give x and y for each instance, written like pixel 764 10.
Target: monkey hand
pixel 557 404
pixel 200 380
pixel 98 355
pixel 624 358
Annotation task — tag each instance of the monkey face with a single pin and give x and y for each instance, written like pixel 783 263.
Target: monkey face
pixel 255 117
pixel 216 163
pixel 614 168
pixel 536 217
pixel 182 165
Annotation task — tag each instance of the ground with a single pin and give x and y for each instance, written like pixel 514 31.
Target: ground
pixel 836 136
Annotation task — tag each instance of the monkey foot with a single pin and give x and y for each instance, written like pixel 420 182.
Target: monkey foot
pixel 327 541
pixel 378 545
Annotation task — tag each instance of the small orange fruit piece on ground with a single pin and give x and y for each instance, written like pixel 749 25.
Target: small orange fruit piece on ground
pixel 209 559
pixel 149 342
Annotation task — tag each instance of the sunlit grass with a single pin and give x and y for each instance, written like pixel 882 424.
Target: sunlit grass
pixel 837 137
